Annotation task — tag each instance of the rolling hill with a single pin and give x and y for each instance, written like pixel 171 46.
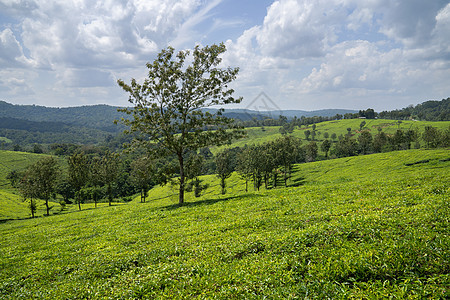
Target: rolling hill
pixel 373 226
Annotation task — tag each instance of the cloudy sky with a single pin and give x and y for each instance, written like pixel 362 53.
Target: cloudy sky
pixel 303 54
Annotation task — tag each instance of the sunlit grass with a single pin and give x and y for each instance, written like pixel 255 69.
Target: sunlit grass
pixel 362 227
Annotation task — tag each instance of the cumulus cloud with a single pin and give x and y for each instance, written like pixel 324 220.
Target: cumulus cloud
pixel 299 48
pixel 297 29
pixel 356 64
pixel 11 53
pixel 111 33
pixel 348 47
pixel 15 86
pixel 410 22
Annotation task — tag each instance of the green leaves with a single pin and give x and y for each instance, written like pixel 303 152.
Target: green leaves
pixel 168 106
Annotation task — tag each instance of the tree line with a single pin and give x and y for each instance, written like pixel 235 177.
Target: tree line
pixel 106 176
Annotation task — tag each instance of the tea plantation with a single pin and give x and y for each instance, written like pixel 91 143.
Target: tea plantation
pixel 369 227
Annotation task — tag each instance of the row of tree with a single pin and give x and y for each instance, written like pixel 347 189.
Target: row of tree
pixel 106 175
pixel 259 163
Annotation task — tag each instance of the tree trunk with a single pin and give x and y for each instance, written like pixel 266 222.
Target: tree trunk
pixel 266 184
pixel 222 185
pixel 109 190
pixel 32 207
pixel 181 193
pixel 46 206
pixel 275 177
pixel 285 176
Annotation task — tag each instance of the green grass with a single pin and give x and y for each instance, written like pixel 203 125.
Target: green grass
pixel 366 227
pixel 256 135
pixel 12 160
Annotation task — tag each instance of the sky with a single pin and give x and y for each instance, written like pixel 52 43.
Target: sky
pixel 298 54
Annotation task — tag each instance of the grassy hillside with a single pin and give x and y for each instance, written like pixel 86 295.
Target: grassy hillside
pixel 361 227
pixel 12 160
pixel 259 135
pixel 11 204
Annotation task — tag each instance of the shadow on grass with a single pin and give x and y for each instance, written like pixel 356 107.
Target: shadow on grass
pixel 62 212
pixel 207 201
pixel 299 181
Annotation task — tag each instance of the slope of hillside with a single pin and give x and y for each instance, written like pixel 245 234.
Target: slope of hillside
pixel 363 227
pixel 259 135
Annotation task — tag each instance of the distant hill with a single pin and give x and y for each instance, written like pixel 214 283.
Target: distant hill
pixel 102 116
pixel 27 124
pixel 247 114
pixel 427 111
pixel 96 116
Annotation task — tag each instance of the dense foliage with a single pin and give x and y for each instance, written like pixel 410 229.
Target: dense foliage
pixel 428 110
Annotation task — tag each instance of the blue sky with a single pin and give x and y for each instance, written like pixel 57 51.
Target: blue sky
pixel 303 54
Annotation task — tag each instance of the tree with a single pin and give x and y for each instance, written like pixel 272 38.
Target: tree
pixel 37 149
pixel 365 141
pixel 14 178
pixel 380 140
pixel 287 151
pixel 326 135
pixel 26 188
pixel 431 136
pixel 244 168
pixel 361 125
pixel 346 147
pixel 194 169
pixel 78 174
pixel 325 147
pixel 399 140
pixel 65 189
pixel 167 115
pixel 333 136
pixel 224 168
pixel 141 171
pixel 43 175
pixel 311 151
pixel 109 170
pixel 307 134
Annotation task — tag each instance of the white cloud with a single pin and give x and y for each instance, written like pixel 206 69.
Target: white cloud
pixel 15 83
pixel 409 22
pixel 346 49
pixel 86 78
pixel 308 49
pixel 356 64
pixel 11 53
pixel 296 29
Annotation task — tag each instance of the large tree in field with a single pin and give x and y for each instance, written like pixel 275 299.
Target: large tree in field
pixel 168 113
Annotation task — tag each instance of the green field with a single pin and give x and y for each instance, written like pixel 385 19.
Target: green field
pixel 367 227
pixel 259 135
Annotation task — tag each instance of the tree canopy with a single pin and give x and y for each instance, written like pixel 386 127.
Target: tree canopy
pixel 168 116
